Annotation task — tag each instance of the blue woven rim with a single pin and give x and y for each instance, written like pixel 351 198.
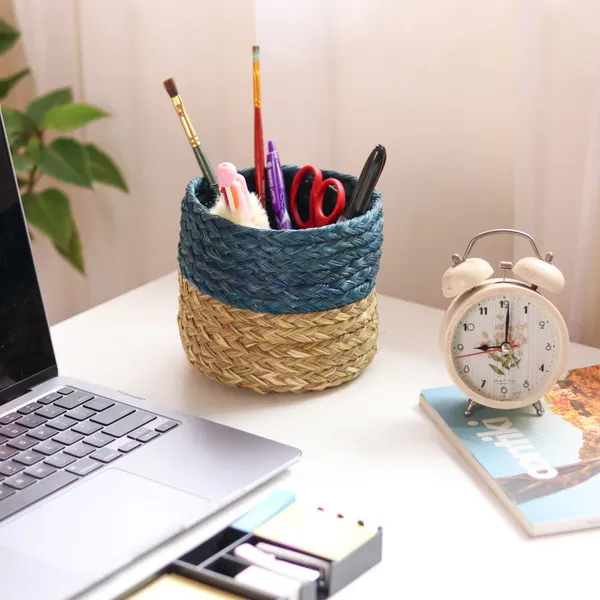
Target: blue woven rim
pixel 279 271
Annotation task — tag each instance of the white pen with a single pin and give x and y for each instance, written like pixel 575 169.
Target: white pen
pixel 269 582
pixel 268 561
pixel 295 557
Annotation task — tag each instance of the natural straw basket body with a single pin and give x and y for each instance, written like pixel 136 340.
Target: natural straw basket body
pixel 278 311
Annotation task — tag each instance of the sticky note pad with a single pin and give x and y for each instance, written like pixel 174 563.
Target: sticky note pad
pixel 176 587
pixel 271 505
pixel 304 527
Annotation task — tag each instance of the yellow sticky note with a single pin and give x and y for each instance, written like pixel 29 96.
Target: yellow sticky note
pixel 176 587
pixel 304 527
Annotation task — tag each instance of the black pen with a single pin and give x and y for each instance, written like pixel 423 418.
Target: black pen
pixel 366 184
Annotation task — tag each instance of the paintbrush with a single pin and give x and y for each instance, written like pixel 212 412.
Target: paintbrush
pixel 190 133
pixel 259 146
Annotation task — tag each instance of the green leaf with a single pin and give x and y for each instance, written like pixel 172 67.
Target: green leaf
pixel 13 121
pixel 506 361
pixel 8 83
pixel 495 357
pixel 21 181
pixel 66 159
pixel 104 169
pixel 40 106
pixel 22 162
pixel 71 116
pixel 73 252
pixel 50 212
pixel 8 36
pixel 496 370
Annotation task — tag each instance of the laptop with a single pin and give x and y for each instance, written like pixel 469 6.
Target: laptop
pixel 92 478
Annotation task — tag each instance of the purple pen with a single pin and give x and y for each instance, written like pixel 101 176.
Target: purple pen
pixel 277 188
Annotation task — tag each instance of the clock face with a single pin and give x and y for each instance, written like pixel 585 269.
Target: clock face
pixel 506 347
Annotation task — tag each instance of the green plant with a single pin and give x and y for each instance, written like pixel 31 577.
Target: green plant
pixel 38 152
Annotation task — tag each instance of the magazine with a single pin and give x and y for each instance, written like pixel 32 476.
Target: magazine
pixel 545 469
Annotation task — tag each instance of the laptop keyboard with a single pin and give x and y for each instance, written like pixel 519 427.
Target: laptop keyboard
pixel 64 436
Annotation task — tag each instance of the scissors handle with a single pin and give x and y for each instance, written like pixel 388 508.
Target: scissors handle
pixel 317 195
pixel 318 218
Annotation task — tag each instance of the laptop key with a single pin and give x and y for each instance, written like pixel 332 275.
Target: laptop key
pixel 19 482
pixel 5 492
pixel 80 413
pixel 85 466
pixel 99 404
pixel 86 427
pixel 166 426
pixel 31 421
pixel 10 468
pixel 49 412
pixel 61 423
pixel 9 418
pixel 129 423
pixel 32 494
pixel 134 435
pixel 42 433
pixel 112 414
pixel 149 435
pixel 6 452
pixel 29 408
pixel 106 455
pixel 65 391
pixel 29 458
pixel 49 398
pixel 40 471
pixel 73 400
pixel 22 443
pixel 60 460
pixel 129 446
pixel 3 439
pixel 79 450
pixel 68 437
pixel 98 440
pixel 48 447
pixel 12 431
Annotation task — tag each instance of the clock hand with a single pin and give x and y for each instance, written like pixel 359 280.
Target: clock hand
pixel 507 323
pixel 486 347
pixel 492 349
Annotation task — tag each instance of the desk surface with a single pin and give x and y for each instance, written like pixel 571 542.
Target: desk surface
pixel 367 448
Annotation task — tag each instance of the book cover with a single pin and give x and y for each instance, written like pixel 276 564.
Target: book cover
pixel 546 469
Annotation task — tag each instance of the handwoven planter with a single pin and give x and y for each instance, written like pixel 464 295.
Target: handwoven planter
pixel 278 311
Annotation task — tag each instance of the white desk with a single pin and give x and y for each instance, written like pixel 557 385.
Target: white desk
pixel 386 461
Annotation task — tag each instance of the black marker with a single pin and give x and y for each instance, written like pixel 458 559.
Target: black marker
pixel 365 185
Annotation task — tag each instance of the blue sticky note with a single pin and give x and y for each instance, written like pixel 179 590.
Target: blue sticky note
pixel 274 503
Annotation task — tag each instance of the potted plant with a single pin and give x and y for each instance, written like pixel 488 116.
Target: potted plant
pixel 41 148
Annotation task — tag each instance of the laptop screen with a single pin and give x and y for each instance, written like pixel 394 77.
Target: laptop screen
pixel 25 345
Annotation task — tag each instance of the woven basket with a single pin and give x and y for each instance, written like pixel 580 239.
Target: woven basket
pixel 278 310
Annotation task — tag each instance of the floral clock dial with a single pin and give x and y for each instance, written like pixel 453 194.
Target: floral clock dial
pixel 504 347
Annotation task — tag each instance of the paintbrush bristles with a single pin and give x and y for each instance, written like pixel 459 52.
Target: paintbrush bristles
pixel 170 87
pixel 255 51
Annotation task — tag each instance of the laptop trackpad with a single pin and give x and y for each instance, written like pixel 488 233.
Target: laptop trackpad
pixel 103 523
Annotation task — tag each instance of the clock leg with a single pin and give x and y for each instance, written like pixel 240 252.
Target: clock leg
pixel 539 409
pixel 471 404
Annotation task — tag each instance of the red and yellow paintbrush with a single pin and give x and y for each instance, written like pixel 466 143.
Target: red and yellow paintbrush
pixel 259 146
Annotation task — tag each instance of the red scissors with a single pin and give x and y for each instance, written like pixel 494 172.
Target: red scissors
pixel 315 202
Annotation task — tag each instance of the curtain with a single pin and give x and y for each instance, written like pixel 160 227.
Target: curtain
pixel 557 150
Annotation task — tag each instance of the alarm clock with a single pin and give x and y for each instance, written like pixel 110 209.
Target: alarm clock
pixel 504 344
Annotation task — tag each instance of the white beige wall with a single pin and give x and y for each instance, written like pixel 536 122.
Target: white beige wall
pixel 466 96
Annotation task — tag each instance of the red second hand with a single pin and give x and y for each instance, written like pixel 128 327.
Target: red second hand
pixel 485 352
